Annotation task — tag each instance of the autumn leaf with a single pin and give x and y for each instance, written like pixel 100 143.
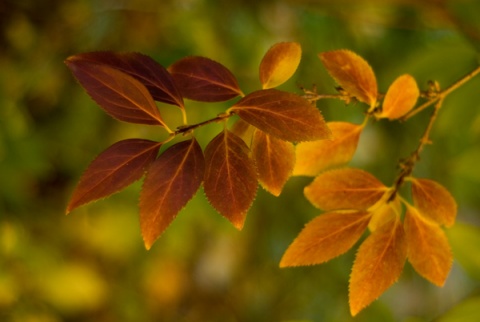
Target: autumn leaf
pixel 230 177
pixel 434 201
pixel 401 97
pixel 279 64
pixel 120 95
pixel 325 237
pixel 315 156
pixel 154 76
pixel 378 264
pixel 352 73
pixel 114 169
pixel 244 131
pixel 428 248
pixel 344 188
pixel 274 159
pixel 203 79
pixel 285 115
pixel 383 211
pixel 170 183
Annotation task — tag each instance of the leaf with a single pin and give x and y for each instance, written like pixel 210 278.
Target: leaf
pixel 315 156
pixel 154 76
pixel 230 177
pixel 344 188
pixel 401 97
pixel 378 264
pixel 285 115
pixel 325 237
pixel 462 236
pixel 120 95
pixel 434 201
pixel 114 169
pixel 274 159
pixel 170 183
pixel 279 64
pixel 352 73
pixel 382 212
pixel 428 248
pixel 244 131
pixel 203 79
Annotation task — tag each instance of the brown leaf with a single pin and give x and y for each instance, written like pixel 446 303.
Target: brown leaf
pixel 279 64
pixel 170 183
pixel 344 188
pixel 434 201
pixel 119 94
pixel 428 248
pixel 274 159
pixel 352 73
pixel 378 264
pixel 114 169
pixel 401 97
pixel 315 156
pixel 285 115
pixel 143 68
pixel 203 79
pixel 230 177
pixel 326 237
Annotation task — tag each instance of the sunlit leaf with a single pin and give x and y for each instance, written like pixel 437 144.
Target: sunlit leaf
pixel 316 156
pixel 428 248
pixel 203 79
pixel 382 212
pixel 171 181
pixel 344 188
pixel 434 201
pixel 230 177
pixel 151 74
pixel 279 64
pixel 401 97
pixel 274 159
pixel 325 237
pixel 119 94
pixel 352 73
pixel 378 264
pixel 114 169
pixel 284 115
pixel 244 131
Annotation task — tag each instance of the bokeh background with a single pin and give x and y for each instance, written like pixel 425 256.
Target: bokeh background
pixel 92 266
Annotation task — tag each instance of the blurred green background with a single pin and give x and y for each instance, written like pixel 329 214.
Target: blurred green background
pixel 92 266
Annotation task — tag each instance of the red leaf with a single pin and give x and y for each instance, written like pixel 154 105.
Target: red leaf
pixel 154 76
pixel 203 79
pixel 284 115
pixel 114 169
pixel 230 177
pixel 120 95
pixel 326 237
pixel 170 183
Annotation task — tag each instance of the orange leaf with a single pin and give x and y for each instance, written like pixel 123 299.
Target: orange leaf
pixel 401 97
pixel 434 201
pixel 352 73
pixel 428 248
pixel 114 169
pixel 344 189
pixel 326 237
pixel 230 177
pixel 383 212
pixel 279 64
pixel 170 183
pixel 378 264
pixel 316 156
pixel 274 159
pixel 284 115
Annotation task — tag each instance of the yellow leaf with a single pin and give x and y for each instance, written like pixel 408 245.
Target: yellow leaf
pixel 378 265
pixel 383 212
pixel 279 64
pixel 345 188
pixel 325 237
pixel 401 97
pixel 428 248
pixel 315 156
pixel 352 73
